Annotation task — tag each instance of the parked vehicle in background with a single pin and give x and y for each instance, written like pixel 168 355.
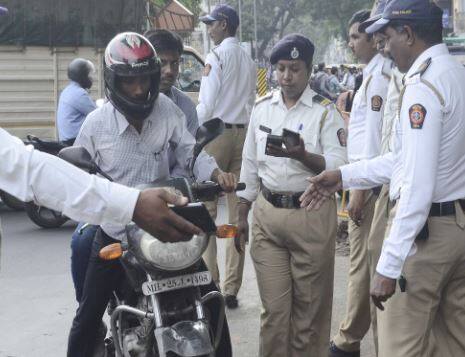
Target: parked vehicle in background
pixel 190 73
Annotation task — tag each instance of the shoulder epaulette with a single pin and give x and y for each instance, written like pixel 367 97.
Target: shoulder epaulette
pixel 422 69
pixel 264 98
pixel 386 70
pixel 318 98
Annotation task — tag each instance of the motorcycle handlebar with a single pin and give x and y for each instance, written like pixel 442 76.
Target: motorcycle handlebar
pixel 206 189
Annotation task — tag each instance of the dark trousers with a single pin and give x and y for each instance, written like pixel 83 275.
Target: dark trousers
pixel 81 247
pixel 69 142
pixel 101 279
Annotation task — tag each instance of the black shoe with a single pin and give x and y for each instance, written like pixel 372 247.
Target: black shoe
pixel 231 301
pixel 335 351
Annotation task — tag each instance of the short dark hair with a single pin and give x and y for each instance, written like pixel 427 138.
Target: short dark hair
pixel 164 40
pixel 321 66
pixel 428 31
pixel 360 16
pixel 333 70
pixel 232 29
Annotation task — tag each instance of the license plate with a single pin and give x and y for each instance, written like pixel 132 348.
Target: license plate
pixel 177 282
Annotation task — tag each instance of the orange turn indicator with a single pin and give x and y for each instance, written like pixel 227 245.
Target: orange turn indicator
pixel 111 252
pixel 226 231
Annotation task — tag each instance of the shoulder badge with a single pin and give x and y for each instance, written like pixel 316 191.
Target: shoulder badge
pixel 342 137
pixel 417 115
pixel 376 103
pixel 321 100
pixel 264 98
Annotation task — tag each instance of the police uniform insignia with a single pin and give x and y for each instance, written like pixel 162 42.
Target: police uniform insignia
pixel 376 103
pixel 321 100
pixel 206 70
pixel 295 53
pixel 342 137
pixel 265 97
pixel 417 115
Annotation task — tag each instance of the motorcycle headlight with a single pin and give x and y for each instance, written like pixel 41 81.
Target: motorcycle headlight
pixel 172 256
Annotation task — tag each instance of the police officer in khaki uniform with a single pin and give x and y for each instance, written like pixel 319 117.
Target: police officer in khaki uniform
pixel 420 275
pixel 364 142
pixel 227 92
pixel 292 250
pixel 382 204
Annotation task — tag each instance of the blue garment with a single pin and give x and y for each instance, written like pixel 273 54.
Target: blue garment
pixel 187 106
pixel 81 247
pixel 74 105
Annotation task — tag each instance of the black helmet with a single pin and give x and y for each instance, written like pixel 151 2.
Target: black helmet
pixel 130 54
pixel 79 70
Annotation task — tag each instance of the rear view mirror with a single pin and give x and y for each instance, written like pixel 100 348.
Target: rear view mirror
pixel 205 134
pixel 78 156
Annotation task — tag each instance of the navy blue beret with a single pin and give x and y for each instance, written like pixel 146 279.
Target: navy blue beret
pixel 293 47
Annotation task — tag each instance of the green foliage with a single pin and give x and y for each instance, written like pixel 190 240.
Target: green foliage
pixel 321 20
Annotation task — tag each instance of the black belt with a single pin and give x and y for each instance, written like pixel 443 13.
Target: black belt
pixel 230 126
pixel 440 209
pixel 281 200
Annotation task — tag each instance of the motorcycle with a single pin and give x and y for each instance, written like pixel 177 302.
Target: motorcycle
pixel 162 309
pixel 42 216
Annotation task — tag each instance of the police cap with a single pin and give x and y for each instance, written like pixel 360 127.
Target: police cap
pixel 222 12
pixel 410 10
pixel 375 15
pixel 293 47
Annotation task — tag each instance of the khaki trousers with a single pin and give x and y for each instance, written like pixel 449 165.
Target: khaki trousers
pixel 375 244
pixel 293 255
pixel 227 151
pixel 357 320
pixel 433 306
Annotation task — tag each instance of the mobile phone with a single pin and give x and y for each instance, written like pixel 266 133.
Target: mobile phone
pixel 291 138
pixel 275 140
pixel 197 214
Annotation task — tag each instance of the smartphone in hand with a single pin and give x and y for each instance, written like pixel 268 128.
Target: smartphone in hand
pixel 275 140
pixel 291 138
pixel 197 214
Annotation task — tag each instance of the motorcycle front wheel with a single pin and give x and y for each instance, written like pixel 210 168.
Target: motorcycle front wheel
pixel 44 217
pixel 11 201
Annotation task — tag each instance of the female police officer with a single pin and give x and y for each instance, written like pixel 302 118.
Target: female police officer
pixel 292 250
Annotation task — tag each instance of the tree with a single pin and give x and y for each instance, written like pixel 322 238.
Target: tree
pixel 273 17
pixel 320 20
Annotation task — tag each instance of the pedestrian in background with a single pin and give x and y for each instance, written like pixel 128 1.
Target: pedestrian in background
pixel 75 102
pixel 227 92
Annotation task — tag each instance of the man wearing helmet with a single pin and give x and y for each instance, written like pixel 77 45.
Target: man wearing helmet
pixel 75 102
pixel 130 137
